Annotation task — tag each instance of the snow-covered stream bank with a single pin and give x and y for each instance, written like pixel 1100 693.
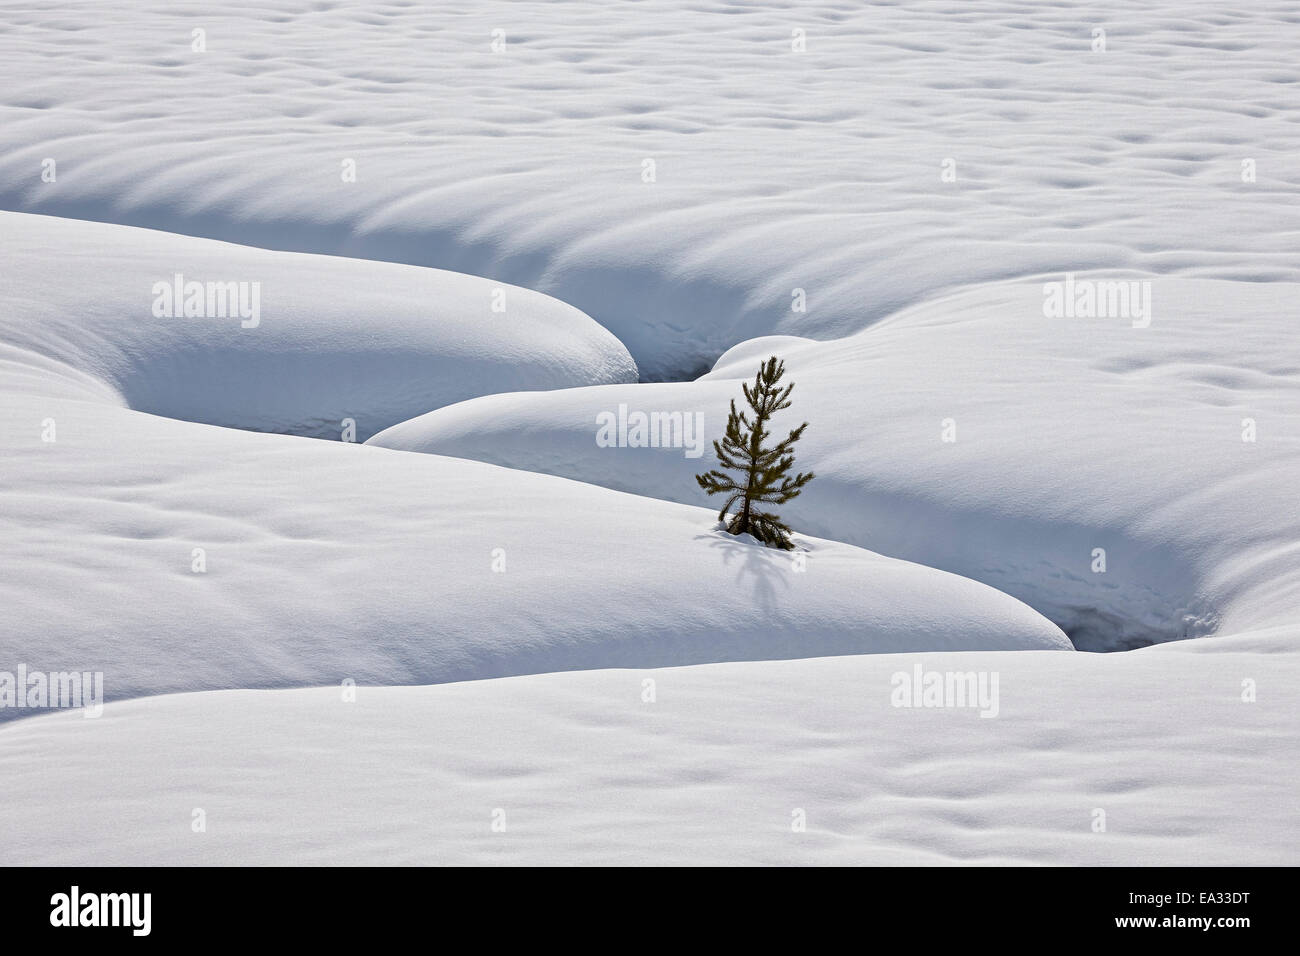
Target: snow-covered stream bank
pixel 178 556
pixel 1149 758
pixel 1130 483
pixel 1034 476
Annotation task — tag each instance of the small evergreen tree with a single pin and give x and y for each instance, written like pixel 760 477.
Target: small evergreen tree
pixel 763 472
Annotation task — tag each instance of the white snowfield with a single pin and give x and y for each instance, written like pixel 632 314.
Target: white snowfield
pixel 774 170
pixel 630 196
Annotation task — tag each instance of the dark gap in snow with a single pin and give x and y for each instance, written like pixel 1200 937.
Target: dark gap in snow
pixel 1091 629
pixel 686 374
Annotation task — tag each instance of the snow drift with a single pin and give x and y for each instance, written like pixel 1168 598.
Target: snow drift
pixel 279 342
pixel 323 561
pixel 1156 746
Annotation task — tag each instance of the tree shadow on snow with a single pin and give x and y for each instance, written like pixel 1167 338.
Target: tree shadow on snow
pixel 760 569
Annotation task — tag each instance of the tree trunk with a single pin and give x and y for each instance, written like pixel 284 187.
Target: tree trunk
pixel 742 520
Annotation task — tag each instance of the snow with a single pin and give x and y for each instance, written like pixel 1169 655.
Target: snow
pixel 1070 435
pixel 711 772
pixel 324 560
pixel 332 339
pixel 774 170
pixel 662 194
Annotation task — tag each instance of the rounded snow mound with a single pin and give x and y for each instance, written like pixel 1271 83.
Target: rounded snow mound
pixel 172 556
pixel 282 342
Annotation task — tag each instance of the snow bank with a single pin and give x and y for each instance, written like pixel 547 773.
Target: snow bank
pixel 1149 758
pixel 1169 446
pixel 281 342
pixel 173 556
